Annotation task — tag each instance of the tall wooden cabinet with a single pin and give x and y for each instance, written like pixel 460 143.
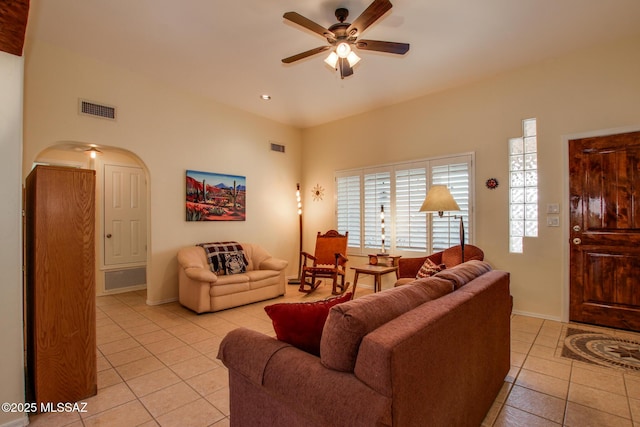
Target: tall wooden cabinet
pixel 60 284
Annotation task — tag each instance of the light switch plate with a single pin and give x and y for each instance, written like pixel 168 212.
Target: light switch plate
pixel 553 221
pixel 553 208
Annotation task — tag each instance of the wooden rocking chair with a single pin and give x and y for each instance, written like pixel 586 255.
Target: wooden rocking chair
pixel 329 261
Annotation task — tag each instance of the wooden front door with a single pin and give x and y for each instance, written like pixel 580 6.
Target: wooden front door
pixel 604 199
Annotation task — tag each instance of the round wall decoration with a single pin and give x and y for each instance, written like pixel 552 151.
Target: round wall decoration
pixel 492 183
pixel 318 193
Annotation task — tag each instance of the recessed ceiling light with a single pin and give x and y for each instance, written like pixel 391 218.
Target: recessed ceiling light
pixel 265 97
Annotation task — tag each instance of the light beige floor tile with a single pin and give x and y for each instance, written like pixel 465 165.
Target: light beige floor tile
pixel 178 355
pixel 540 404
pixel 547 341
pixel 153 336
pixel 220 400
pixel 633 386
pixel 543 383
pixel 169 398
pixel 510 417
pixel 143 329
pixel 139 367
pixel 634 405
pixel 582 416
pixel 520 346
pixel 210 381
pixel 156 380
pixel 222 423
pixel 129 414
pixel 195 414
pixel 108 398
pixel 196 336
pixel 607 380
pixel 117 346
pixel 556 369
pixel 108 378
pixel 543 352
pixel 192 367
pixel 128 356
pixel 599 399
pixel 54 419
pixel 163 346
pixel 102 363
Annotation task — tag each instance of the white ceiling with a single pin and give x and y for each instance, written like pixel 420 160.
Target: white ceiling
pixel 231 51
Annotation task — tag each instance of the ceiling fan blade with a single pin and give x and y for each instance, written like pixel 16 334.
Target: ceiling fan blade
pixel 303 55
pixel 345 68
pixel 369 16
pixel 307 23
pixel 389 47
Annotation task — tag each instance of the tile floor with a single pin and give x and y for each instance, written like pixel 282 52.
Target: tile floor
pixel 157 366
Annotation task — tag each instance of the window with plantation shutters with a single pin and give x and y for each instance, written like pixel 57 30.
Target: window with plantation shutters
pixel 446 230
pixel 410 224
pixel 348 212
pixel 377 194
pixel 400 189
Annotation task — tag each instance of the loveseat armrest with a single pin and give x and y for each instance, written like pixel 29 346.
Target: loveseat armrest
pixel 201 274
pixel 273 264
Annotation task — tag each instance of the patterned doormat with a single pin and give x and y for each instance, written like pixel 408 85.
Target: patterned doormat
pixel 601 349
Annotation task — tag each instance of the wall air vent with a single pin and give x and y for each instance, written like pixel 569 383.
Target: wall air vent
pixel 277 147
pixel 97 110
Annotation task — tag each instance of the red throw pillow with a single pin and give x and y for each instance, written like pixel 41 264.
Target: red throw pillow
pixel 429 268
pixel 300 324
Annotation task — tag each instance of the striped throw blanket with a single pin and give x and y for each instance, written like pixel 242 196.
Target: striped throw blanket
pixel 225 257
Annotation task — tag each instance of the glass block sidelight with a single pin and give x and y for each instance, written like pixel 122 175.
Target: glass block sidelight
pixel 523 186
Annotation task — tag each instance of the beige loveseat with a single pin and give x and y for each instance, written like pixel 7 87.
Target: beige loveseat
pixel 431 353
pixel 201 290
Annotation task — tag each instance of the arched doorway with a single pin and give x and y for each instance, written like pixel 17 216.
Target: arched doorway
pixel 122 213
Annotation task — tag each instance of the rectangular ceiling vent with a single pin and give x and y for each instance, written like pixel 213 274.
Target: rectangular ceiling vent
pixel 277 147
pixel 93 109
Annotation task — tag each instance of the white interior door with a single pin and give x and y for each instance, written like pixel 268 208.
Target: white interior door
pixel 125 215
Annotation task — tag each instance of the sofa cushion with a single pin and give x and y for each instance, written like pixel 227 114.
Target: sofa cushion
pixel 300 324
pixel 462 274
pixel 348 323
pixel 429 268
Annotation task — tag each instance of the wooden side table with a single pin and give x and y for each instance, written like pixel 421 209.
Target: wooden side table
pixel 377 271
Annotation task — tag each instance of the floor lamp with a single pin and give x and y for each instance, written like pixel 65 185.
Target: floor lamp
pixel 439 199
pixel 296 281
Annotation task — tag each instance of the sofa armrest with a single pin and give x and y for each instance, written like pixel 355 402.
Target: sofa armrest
pixel 273 264
pixel 201 274
pixel 300 381
pixel 248 352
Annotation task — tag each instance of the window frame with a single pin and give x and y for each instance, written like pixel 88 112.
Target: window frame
pixel 360 249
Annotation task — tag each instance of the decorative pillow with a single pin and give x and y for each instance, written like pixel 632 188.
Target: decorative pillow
pixel 234 263
pixel 429 268
pixel 301 324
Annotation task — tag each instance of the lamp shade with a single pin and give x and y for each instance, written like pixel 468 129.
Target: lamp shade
pixel 439 199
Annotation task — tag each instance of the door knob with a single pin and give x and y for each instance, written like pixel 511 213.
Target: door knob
pixel 577 241
pixel 109 236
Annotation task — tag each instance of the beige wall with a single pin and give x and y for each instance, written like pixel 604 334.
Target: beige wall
pixel 170 131
pixel 589 91
pixel 11 333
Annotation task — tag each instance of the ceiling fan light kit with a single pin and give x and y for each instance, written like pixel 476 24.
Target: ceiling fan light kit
pixel 343 36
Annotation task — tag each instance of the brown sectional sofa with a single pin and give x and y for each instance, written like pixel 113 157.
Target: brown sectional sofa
pixel 432 353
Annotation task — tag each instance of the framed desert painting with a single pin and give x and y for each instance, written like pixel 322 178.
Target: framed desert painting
pixel 215 197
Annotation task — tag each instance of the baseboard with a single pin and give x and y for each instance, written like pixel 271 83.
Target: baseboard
pixel 164 301
pixel 20 422
pixel 539 316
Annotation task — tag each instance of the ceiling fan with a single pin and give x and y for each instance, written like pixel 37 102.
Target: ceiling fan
pixel 343 36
